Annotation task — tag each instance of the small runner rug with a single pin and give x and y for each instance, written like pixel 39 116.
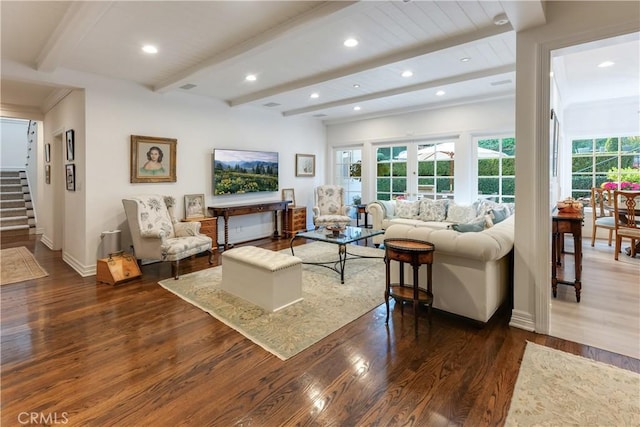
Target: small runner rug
pixel 555 388
pixel 328 305
pixel 18 265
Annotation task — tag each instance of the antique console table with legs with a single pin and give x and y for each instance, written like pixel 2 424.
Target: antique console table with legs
pixel 225 211
pixel 566 222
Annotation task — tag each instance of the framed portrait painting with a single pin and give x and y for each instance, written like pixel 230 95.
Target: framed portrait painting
pixel 70 174
pixel 153 159
pixel 194 206
pixel 47 153
pixel 305 165
pixel 289 194
pixel 71 148
pixel 47 174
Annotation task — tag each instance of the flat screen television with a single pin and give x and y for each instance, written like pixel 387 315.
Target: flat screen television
pixel 244 171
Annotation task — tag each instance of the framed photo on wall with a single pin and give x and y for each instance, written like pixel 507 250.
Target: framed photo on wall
pixel 305 165
pixel 47 174
pixel 70 145
pixel 70 174
pixel 289 194
pixel 194 206
pixel 153 159
pixel 47 153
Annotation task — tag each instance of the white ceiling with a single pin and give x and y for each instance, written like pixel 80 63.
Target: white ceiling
pixel 293 47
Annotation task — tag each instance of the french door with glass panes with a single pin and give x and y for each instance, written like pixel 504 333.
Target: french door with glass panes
pixel 348 174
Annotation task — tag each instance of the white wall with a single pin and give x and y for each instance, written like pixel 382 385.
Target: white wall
pixel 13 154
pixel 569 23
pixel 462 122
pixel 116 110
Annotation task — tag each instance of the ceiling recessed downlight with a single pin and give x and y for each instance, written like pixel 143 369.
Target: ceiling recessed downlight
pixel 314 95
pixel 251 78
pixel 465 59
pixel 440 93
pixel 500 19
pixel 407 73
pixel 606 64
pixel 356 108
pixel 351 42
pixel 149 48
pixel 356 85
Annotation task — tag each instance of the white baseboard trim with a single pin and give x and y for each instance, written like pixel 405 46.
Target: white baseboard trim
pixel 45 240
pixel 522 320
pixel 82 270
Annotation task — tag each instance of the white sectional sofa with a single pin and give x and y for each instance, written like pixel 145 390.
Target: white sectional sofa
pixel 472 271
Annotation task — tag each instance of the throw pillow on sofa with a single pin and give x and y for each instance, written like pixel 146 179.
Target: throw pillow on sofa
pixel 406 209
pixel 499 214
pixel 461 214
pixel 475 226
pixel 433 210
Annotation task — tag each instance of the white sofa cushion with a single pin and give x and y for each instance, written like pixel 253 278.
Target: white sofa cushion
pixel 407 209
pixel 461 214
pixel 433 210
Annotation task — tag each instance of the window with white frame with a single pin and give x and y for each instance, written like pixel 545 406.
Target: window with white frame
pixel 435 170
pixel 391 172
pixel 496 168
pixel 348 174
pixel 612 161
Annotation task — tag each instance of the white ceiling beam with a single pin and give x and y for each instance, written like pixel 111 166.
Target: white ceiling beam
pixel 405 89
pixel 77 21
pixel 372 63
pixel 253 44
pixel 524 14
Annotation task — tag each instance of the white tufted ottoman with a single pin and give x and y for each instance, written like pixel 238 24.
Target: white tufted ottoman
pixel 272 280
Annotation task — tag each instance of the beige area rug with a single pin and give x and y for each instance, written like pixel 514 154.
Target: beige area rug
pixel 328 305
pixel 18 264
pixel 555 388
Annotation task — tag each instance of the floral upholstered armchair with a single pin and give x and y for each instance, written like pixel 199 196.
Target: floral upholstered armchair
pixel 329 209
pixel 157 235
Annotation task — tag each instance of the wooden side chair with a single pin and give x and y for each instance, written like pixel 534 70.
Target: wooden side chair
pixel 601 216
pixel 626 208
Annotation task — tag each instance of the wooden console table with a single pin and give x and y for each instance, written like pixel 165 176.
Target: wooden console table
pixel 225 211
pixel 569 222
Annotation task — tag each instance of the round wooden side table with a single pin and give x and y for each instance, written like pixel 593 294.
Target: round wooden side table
pixel 416 253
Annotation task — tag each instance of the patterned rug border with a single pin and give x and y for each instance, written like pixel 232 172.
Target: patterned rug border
pixel 27 261
pixel 601 394
pixel 255 333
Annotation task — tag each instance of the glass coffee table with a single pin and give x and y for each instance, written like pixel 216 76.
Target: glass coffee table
pixel 341 239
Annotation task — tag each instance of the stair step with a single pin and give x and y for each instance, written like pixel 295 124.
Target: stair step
pixel 14 203
pixel 12 195
pixel 14 227
pixel 16 220
pixel 13 212
pixel 12 173
pixel 6 180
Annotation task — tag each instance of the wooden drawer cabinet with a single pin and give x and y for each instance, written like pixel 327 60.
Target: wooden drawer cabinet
pixel 208 226
pixel 295 220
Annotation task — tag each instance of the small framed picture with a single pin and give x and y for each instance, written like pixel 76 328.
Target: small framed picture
pixel 70 173
pixel 47 153
pixel 153 159
pixel 194 206
pixel 305 165
pixel 70 145
pixel 289 194
pixel 47 174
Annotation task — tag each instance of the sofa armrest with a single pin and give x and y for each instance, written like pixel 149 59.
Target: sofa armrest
pixel 377 215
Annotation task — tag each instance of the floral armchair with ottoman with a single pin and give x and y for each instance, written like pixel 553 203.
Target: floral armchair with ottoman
pixel 157 235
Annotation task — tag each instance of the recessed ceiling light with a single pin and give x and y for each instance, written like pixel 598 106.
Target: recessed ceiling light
pixel 407 73
pixel 251 78
pixel 606 64
pixel 356 85
pixel 550 73
pixel 356 108
pixel 500 19
pixel 465 59
pixel 440 93
pixel 148 48
pixel 351 42
pixel 314 95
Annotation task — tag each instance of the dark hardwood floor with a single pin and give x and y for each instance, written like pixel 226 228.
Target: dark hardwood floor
pixel 137 355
